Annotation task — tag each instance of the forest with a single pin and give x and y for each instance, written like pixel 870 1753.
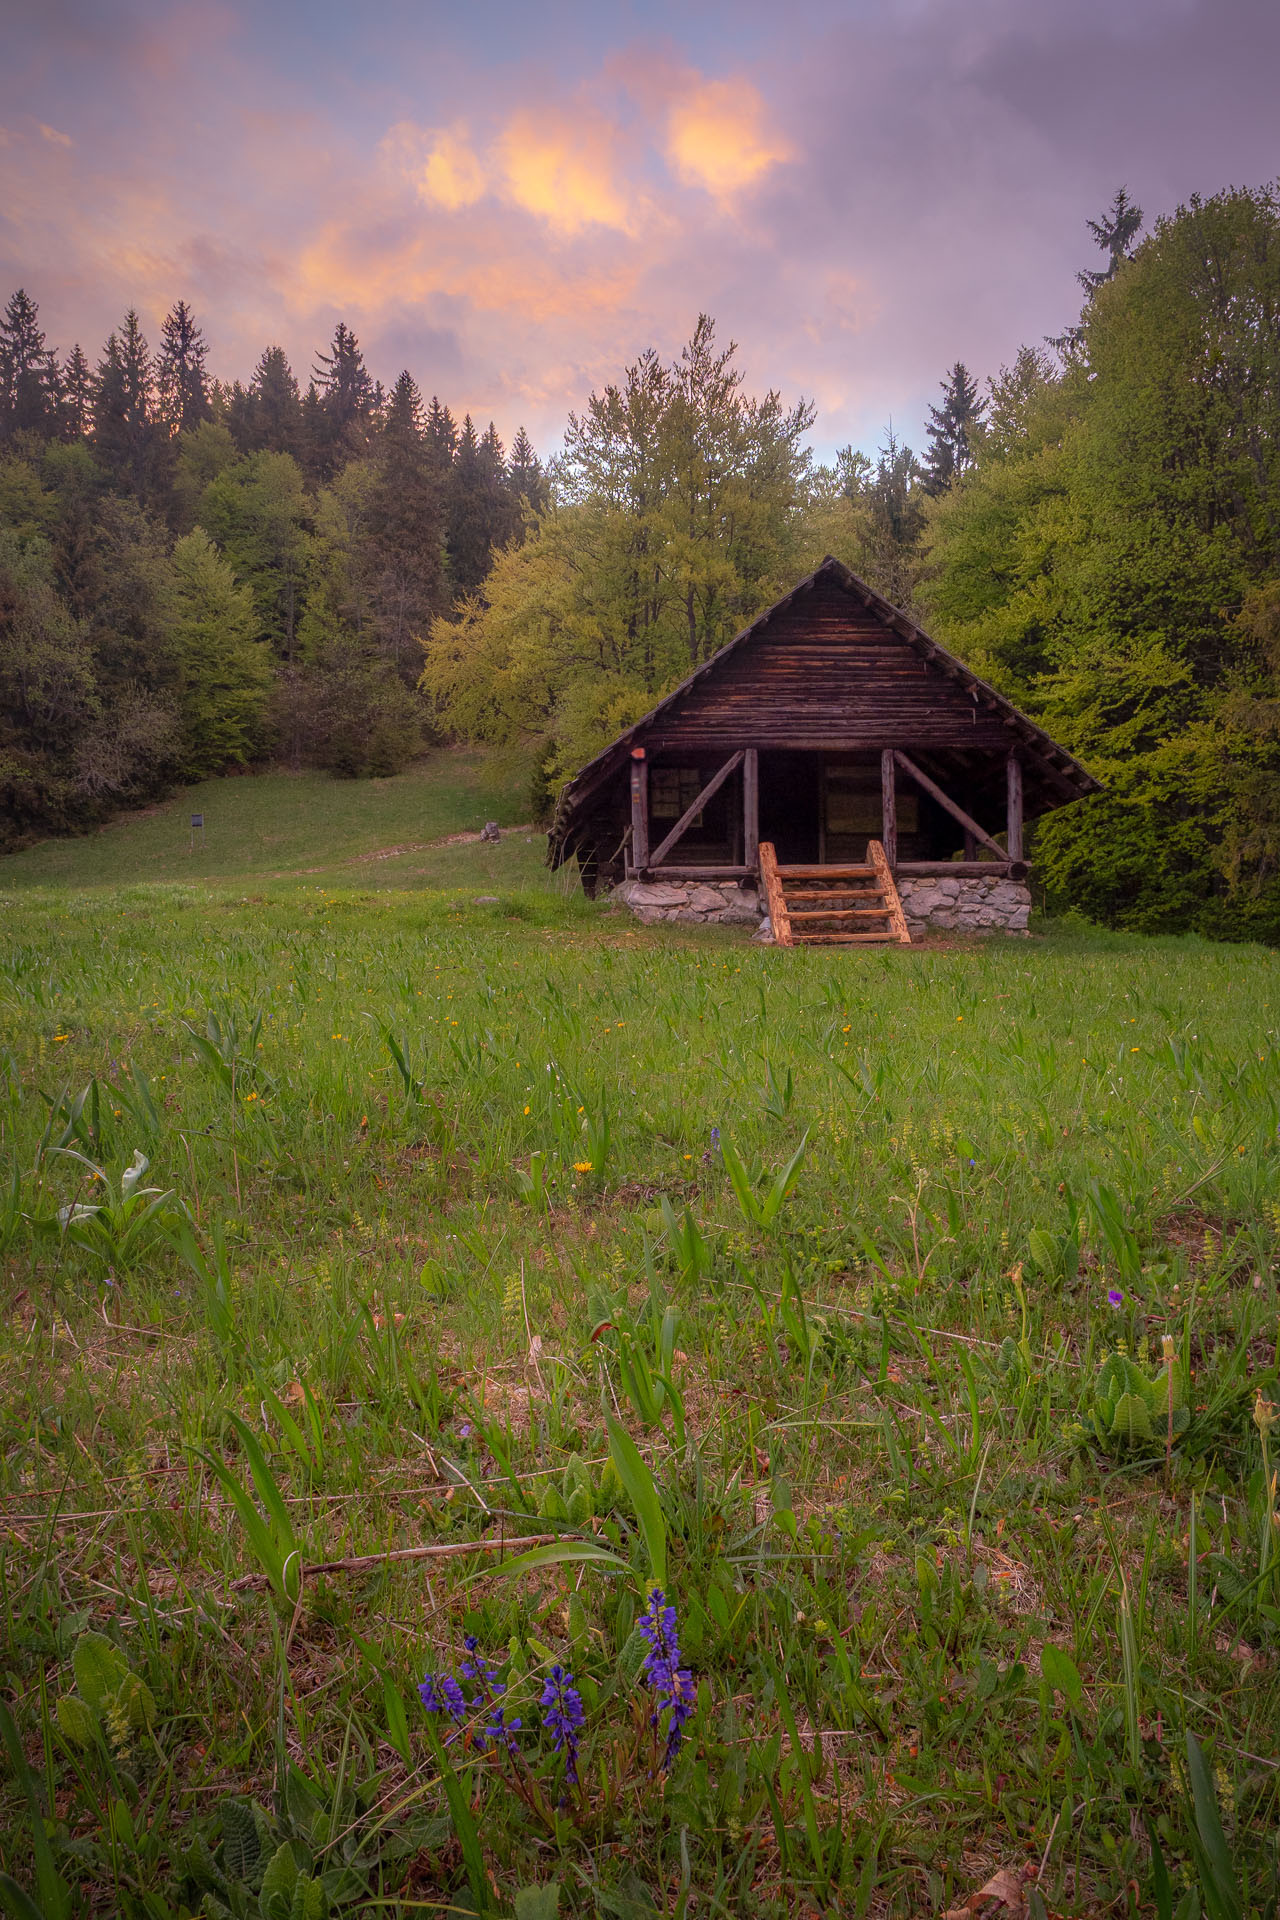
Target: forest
pixel 197 576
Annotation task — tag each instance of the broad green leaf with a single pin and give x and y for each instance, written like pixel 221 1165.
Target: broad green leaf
pixel 1221 1893
pixel 278 1882
pixel 566 1553
pixel 77 1720
pixel 639 1483
pixel 1061 1672
pixel 100 1669
pixel 538 1903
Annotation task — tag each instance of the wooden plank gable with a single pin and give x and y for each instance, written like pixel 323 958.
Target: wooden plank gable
pixel 823 673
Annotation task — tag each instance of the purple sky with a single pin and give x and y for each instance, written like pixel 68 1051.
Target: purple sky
pixel 513 201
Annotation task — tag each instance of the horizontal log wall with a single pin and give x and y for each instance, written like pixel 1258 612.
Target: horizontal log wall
pixel 825 674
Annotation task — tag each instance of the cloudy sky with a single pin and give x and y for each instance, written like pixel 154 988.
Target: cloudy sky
pixel 515 199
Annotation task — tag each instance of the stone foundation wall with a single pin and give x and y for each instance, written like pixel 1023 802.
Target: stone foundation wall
pixel 966 904
pixel 692 902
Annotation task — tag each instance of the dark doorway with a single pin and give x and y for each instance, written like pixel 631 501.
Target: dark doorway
pixel 789 798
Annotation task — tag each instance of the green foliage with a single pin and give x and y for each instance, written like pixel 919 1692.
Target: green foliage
pixel 679 501
pixel 111 1703
pixel 1131 1409
pixel 225 675
pixel 1110 560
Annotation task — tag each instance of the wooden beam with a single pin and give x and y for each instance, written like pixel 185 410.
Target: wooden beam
pixel 1014 815
pixel 710 873
pixel 774 899
pixel 691 813
pixel 639 811
pixel 889 892
pixel 965 869
pixel 889 806
pixel 935 792
pixel 751 807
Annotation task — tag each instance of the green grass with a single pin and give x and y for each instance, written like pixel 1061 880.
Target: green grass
pixel 942 1616
pixel 291 826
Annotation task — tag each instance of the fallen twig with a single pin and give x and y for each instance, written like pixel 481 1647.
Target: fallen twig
pixel 361 1562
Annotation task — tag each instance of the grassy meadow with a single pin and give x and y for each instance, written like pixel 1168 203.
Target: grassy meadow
pixel 909 1318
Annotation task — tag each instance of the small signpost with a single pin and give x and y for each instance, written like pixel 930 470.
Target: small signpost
pixel 197 821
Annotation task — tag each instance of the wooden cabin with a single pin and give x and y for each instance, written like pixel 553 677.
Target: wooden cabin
pixel 830 747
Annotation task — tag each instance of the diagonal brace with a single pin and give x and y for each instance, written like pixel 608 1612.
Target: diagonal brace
pixel 691 813
pixel 932 788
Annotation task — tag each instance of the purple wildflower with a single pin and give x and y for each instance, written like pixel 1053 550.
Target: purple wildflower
pixel 563 1715
pixel 1115 1296
pixel 479 1669
pixel 715 1139
pixel 672 1684
pixel 440 1693
pixel 498 1731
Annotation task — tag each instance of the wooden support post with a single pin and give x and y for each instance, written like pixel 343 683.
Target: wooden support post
pixel 932 788
pixel 639 810
pixel 751 808
pixel 1013 837
pixel 889 806
pixel 970 846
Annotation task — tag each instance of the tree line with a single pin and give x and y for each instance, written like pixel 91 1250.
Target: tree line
pixel 195 575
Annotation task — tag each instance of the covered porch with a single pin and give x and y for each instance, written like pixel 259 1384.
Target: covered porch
pixel 702 819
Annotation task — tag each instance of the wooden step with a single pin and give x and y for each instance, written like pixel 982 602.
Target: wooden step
pixel 841 913
pixel 786 901
pixel 886 939
pixel 833 893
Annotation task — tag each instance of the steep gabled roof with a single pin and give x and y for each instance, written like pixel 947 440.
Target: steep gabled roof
pixel 1056 766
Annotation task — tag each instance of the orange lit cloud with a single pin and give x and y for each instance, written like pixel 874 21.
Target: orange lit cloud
pixel 718 137
pixel 452 176
pixel 564 170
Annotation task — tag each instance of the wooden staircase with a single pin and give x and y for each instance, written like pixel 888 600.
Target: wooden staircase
pixel 833 906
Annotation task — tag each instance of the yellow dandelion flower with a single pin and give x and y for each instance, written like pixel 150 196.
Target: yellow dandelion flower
pixel 528 1109
pixel 583 1166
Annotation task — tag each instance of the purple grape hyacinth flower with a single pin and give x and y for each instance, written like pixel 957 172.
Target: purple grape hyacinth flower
pixel 563 1715
pixel 672 1684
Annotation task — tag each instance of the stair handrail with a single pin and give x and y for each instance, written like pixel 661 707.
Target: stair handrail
pixel 889 888
pixel 775 902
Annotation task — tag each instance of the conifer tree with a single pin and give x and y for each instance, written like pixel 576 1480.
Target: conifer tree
pixel 225 670
pixel 1115 233
pixel 182 389
pixel 28 372
pixel 951 429
pixel 468 515
pixel 406 531
pixel 123 421
pixel 77 395
pixel 524 472
pixel 347 400
pixel 274 406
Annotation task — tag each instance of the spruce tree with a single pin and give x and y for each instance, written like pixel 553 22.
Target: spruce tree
pixel 77 395
pixel 274 407
pixel 468 514
pixel 348 401
pixel 406 532
pixel 1115 233
pixel 28 372
pixel 182 389
pixel 524 472
pixel 123 418
pixel 951 429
